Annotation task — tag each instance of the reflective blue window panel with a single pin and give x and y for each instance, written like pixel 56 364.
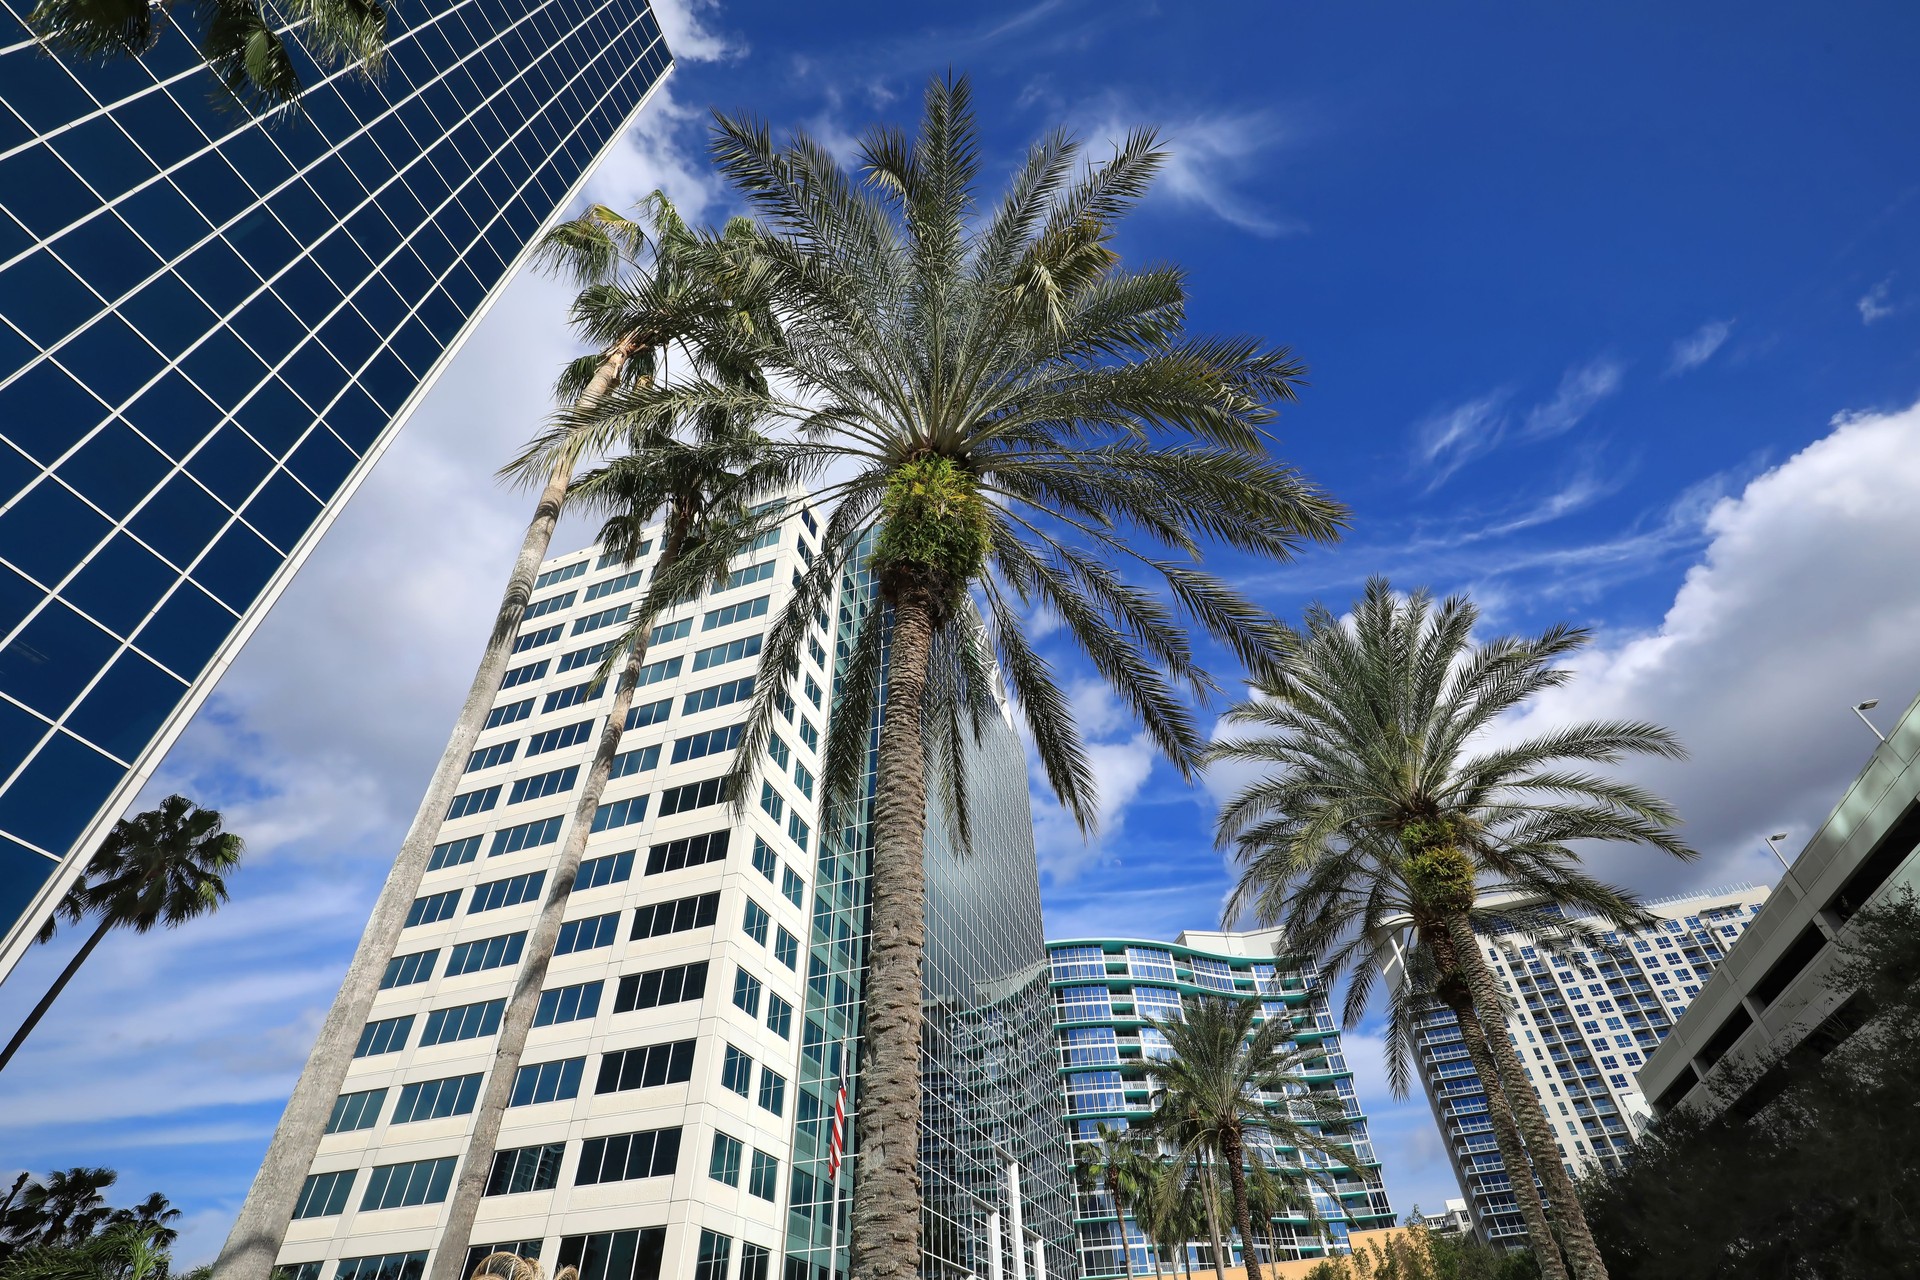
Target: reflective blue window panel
pixel 208 321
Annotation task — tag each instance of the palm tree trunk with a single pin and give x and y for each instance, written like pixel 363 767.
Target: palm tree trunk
pixel 886 1193
pixel 1242 1217
pixel 1531 1117
pixel 254 1242
pixel 53 992
pixel 1458 997
pixel 1213 1221
pixel 1120 1215
pixel 1513 1153
pixel 471 1182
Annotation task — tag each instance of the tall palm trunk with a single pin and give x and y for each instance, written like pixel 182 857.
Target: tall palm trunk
pixel 254 1242
pixel 1513 1153
pixel 1455 993
pixel 1213 1222
pixel 1234 1154
pixel 1120 1215
pixel 53 992
pixel 471 1182
pixel 1531 1118
pixel 886 1194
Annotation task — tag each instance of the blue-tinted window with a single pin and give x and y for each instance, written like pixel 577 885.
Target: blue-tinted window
pixel 187 630
pixel 115 469
pixel 48 530
pixel 127 705
pixel 179 520
pixel 238 565
pixel 47 664
pixel 120 584
pixel 44 411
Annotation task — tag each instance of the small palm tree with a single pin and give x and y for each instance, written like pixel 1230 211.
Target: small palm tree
pixel 244 42
pixel 155 1216
pixel 1009 423
pixel 1383 806
pixel 68 1207
pixel 1226 1080
pixel 641 286
pixel 1114 1163
pixel 163 867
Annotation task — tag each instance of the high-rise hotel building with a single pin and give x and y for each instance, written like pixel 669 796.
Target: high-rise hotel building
pixel 211 325
pixel 671 1113
pixel 1585 1020
pixel 1107 992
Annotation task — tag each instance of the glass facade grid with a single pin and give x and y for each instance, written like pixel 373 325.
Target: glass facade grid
pixel 990 1090
pixel 1098 1094
pixel 208 325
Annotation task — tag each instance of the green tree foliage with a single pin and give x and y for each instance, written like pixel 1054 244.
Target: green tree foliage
pixel 1036 434
pixel 157 869
pixel 62 1228
pixel 1823 1183
pixel 1383 807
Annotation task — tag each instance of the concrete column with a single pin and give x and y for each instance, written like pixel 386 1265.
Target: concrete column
pixel 1039 1259
pixel 996 1265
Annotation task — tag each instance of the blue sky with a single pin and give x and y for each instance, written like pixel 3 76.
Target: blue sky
pixel 1613 316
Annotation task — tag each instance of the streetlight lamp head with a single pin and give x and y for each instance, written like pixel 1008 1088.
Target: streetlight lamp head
pixel 1778 835
pixel 1868 705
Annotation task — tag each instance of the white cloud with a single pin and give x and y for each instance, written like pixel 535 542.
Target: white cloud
pixel 1698 347
pixel 685 24
pixel 1212 156
pixel 1798 607
pixel 1121 759
pixel 1874 305
pixel 1454 437
pixel 1581 389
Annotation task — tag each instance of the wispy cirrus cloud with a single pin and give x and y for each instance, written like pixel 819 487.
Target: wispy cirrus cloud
pixel 1454 437
pixel 1876 304
pixel 1581 389
pixel 1698 347
pixel 1450 438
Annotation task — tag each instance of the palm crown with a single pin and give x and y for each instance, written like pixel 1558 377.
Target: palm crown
pixel 1017 413
pixel 1383 805
pixel 1376 772
pixel 165 866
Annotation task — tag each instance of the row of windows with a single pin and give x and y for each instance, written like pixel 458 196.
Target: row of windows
pixel 736 1074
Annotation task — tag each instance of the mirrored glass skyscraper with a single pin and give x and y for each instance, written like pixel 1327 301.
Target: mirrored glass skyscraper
pixel 211 324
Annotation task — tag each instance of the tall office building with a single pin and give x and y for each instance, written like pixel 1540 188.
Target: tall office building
pixel 1585 1020
pixel 210 327
pixel 1105 992
pixel 1773 1003
pixel 671 1116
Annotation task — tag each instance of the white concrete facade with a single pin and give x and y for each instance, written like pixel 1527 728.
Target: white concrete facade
pixel 761 886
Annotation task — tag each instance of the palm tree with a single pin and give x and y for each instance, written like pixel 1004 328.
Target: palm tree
pixel 68 1207
pixel 161 867
pixel 1113 1163
pixel 243 42
pixel 155 1215
pixel 1225 1080
pixel 1384 806
pixel 719 491
pixel 634 296
pixel 1021 422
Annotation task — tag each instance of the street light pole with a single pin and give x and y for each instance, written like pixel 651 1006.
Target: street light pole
pixel 1861 708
